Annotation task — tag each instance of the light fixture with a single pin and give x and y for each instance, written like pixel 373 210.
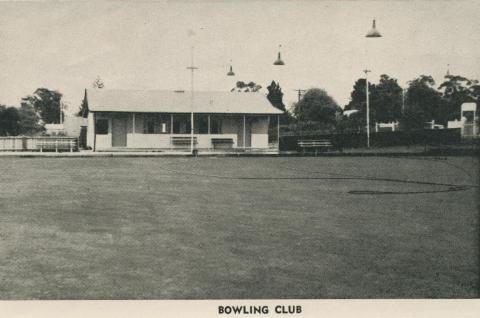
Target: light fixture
pixel 231 73
pixel 373 33
pixel 279 60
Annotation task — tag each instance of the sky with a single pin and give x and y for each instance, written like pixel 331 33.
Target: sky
pixel 65 45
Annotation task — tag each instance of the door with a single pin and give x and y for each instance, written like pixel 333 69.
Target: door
pixel 82 139
pixel 119 132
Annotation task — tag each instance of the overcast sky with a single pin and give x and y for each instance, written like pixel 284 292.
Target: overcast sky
pixel 146 45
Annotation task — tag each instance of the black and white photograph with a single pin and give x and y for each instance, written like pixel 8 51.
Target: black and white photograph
pixel 239 150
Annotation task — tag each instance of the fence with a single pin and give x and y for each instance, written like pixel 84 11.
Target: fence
pixel 380 139
pixel 38 144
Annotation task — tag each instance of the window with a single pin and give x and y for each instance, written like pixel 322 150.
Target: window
pixel 201 124
pixel 156 124
pixel 215 125
pixel 149 124
pixel 176 127
pixel 101 126
pixel 181 123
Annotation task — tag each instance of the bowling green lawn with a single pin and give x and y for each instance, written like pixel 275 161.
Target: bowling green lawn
pixel 238 228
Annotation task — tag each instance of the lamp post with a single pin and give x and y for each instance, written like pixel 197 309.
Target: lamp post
pixel 278 62
pixel 373 33
pixel 368 107
pixel 192 69
pixel 230 72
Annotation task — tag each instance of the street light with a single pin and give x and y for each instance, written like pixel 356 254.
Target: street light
pixel 231 73
pixel 192 68
pixel 368 107
pixel 278 62
pixel 373 33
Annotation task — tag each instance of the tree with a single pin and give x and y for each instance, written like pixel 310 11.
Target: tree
pixel 9 121
pixel 19 121
pixel 475 91
pixel 457 90
pixel 423 103
pixel 385 99
pixel 317 106
pixel 358 101
pixel 358 97
pixel 98 83
pixel 46 103
pixel 275 96
pixel 29 120
pixel 246 88
pixel 83 111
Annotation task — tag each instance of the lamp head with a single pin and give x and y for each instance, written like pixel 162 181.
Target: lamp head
pixel 373 33
pixel 279 60
pixel 230 72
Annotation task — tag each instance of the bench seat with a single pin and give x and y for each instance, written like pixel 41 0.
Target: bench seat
pixel 317 144
pixel 57 144
pixel 222 143
pixel 182 141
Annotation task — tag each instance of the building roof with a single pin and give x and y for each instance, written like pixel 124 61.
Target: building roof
pixel 161 101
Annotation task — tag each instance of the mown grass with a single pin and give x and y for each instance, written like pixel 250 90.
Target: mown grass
pixel 198 228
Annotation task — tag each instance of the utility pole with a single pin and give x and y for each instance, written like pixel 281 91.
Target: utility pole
pixel 300 92
pixel 192 68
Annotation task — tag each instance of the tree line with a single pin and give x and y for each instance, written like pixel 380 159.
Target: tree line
pixel 44 106
pixel 421 102
pixel 36 110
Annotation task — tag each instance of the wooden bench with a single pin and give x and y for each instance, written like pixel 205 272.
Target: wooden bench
pixel 182 141
pixel 222 143
pixel 318 144
pixel 57 144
